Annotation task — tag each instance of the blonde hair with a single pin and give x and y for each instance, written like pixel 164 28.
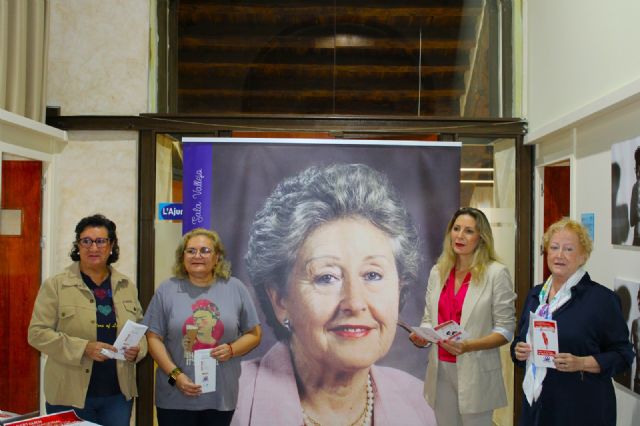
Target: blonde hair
pixel 483 255
pixel 570 225
pixel 222 268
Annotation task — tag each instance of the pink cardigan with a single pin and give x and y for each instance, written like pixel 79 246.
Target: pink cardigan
pixel 269 395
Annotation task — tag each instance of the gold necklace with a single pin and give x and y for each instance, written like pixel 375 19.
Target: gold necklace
pixel 364 419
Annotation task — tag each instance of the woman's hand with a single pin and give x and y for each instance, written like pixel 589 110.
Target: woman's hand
pixel 569 363
pixel 131 353
pixel 418 341
pixel 93 351
pixel 522 351
pixel 222 352
pixel 186 386
pixel 453 347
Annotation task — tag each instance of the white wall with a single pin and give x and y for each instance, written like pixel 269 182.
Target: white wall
pixel 97 172
pixel 577 51
pixel 98 56
pixel 583 95
pixel 98 65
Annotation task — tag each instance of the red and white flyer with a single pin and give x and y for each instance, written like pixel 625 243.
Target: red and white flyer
pixel 448 330
pixel 544 346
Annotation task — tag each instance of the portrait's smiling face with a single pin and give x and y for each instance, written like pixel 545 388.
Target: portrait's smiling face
pixel 342 296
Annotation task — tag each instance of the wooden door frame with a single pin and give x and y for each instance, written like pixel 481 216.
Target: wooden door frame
pixel 149 125
pixel 22 144
pixel 538 230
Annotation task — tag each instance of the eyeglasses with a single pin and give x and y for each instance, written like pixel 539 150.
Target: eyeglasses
pixel 87 242
pixel 204 251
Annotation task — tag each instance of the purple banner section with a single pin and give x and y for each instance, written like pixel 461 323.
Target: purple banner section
pixel 197 184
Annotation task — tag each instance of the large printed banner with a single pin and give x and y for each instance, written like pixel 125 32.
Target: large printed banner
pixel 262 194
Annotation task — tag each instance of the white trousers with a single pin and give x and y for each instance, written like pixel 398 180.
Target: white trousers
pixel 446 406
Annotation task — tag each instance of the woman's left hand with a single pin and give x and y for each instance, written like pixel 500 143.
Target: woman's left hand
pixel 568 362
pixel 454 348
pixel 131 353
pixel 222 352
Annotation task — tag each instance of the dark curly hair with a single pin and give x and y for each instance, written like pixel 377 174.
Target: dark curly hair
pixel 97 221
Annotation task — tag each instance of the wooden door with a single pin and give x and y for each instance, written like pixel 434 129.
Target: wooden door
pixel 557 198
pixel 20 263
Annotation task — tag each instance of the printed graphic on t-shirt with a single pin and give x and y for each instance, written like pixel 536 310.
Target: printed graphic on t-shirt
pixel 106 316
pixel 203 329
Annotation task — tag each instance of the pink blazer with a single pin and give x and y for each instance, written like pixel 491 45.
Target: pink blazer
pixel 269 395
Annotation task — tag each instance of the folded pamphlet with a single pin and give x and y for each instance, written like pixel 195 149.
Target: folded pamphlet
pixel 448 330
pixel 130 335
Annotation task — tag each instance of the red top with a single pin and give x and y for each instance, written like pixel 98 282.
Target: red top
pixel 450 306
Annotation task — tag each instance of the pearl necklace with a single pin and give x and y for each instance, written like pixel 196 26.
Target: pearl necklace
pixel 363 420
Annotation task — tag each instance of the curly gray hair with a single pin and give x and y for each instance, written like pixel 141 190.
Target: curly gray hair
pixel 314 197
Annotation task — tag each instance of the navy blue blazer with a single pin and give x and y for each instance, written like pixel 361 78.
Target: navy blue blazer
pixel 591 323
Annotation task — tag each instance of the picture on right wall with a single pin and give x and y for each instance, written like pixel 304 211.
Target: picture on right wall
pixel 629 293
pixel 625 192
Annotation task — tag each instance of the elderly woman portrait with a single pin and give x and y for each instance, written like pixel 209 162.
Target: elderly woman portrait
pixel 201 307
pixel 593 338
pixel 77 314
pixel 329 256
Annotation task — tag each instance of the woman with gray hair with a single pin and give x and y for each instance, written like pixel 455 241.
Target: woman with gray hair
pixel 329 256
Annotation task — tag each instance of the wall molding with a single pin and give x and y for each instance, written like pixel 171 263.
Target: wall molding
pixel 618 98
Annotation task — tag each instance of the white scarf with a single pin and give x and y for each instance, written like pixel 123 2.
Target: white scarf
pixel 534 376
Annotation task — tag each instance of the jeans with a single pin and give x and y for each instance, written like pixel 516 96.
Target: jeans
pixel 112 410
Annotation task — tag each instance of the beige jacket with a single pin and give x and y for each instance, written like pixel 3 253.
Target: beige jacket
pixel 64 321
pixel 488 304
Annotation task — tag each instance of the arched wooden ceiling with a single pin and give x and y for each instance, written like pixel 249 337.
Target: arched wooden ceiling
pixel 398 57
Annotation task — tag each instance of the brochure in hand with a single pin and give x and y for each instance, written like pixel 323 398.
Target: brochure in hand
pixel 205 370
pixel 544 340
pixel 130 335
pixel 448 330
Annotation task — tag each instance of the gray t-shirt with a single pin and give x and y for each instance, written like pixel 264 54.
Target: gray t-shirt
pixel 213 315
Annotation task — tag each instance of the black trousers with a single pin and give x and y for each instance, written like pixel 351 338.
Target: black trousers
pixel 167 417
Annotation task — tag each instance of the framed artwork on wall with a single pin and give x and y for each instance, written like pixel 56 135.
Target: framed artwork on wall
pixel 625 192
pixel 629 293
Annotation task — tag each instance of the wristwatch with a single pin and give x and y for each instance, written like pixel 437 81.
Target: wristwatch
pixel 174 375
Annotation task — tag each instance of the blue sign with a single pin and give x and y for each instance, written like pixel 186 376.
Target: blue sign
pixel 170 211
pixel 588 220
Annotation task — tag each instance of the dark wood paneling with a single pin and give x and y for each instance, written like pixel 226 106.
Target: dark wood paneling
pixel 405 57
pixel 146 264
pixel 523 276
pixel 345 125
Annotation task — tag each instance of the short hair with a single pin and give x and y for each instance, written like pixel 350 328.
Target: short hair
pixel 484 253
pixel 222 269
pixel 96 221
pixel 570 225
pixel 637 156
pixel 316 196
